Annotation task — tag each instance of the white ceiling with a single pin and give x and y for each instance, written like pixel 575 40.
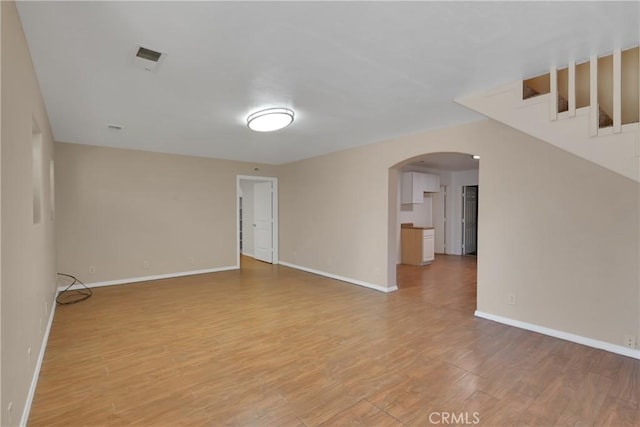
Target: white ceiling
pixel 354 72
pixel 444 161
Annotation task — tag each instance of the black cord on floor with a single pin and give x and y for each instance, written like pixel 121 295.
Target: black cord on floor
pixel 72 296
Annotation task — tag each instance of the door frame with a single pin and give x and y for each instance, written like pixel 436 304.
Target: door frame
pixel 274 183
pixel 463 212
pixel 443 192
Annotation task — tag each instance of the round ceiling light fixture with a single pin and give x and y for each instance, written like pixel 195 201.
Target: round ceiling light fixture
pixel 270 119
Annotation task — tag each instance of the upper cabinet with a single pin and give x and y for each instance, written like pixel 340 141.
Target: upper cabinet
pixel 431 183
pixel 414 184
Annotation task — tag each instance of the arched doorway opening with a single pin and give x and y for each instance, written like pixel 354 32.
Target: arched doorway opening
pixel 433 206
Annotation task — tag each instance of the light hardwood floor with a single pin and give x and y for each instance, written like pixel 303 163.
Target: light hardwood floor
pixel 272 346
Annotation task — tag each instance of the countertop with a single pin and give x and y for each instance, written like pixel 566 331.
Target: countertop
pixel 411 226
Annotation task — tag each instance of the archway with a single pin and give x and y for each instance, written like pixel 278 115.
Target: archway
pixel 441 210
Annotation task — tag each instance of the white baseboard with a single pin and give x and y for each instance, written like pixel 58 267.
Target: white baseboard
pixel 36 372
pixel 341 278
pixel 590 342
pixel 148 278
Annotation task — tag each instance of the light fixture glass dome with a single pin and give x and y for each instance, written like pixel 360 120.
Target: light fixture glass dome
pixel 270 119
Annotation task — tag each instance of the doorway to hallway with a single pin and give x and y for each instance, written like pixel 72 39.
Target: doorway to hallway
pixel 257 218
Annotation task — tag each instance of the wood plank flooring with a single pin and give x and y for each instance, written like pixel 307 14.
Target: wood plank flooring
pixel 273 346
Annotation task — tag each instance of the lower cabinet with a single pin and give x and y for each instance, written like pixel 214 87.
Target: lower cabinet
pixel 428 246
pixel 417 245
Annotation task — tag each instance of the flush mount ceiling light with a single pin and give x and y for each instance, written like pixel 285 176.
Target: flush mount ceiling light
pixel 270 119
pixel 476 157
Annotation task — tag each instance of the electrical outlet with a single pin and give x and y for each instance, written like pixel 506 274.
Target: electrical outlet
pixel 92 269
pixel 512 299
pixel 46 308
pixel 192 260
pixel 145 264
pixel 630 341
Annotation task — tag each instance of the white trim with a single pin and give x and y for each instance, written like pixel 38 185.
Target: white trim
pixel 553 104
pixel 245 253
pixel 341 278
pixel 276 233
pixel 626 128
pixel 534 100
pixel 572 88
pixel 594 119
pixel 590 342
pixel 605 131
pixel 617 91
pixel 148 278
pixel 508 87
pixel 36 372
pixel 583 111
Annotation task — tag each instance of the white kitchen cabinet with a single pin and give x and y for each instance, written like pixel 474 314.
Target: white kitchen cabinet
pixel 415 184
pixel 412 188
pixel 428 246
pixel 431 183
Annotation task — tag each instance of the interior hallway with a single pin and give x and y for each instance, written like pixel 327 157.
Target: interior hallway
pixel 269 345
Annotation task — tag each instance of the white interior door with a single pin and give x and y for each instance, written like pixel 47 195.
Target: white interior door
pixel 440 219
pixel 263 221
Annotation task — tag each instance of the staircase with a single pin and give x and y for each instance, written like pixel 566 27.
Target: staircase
pixel 591 109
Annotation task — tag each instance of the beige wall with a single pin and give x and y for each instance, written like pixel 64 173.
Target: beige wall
pixel 605 84
pixel 541 84
pixel 558 231
pixel 563 83
pixel 119 208
pixel 1 37
pixel 333 214
pixel 27 256
pixel 630 85
pixel 583 84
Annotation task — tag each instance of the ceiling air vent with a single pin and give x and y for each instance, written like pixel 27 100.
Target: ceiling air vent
pixel 148 59
pixel 149 54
